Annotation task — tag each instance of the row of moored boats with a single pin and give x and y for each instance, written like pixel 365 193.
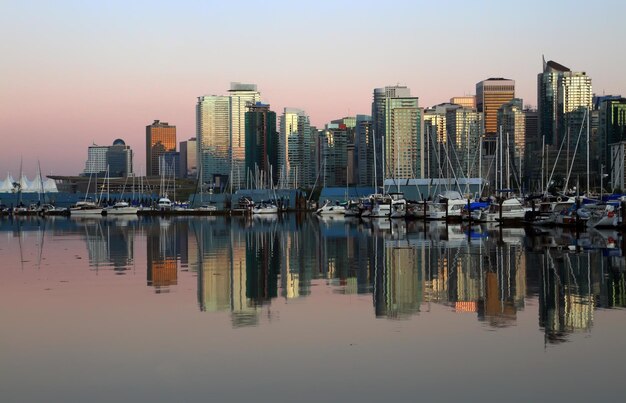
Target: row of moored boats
pixel 452 206
pixel 88 208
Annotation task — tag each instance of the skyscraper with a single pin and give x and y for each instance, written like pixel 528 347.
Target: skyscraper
pixel 188 158
pixel 160 138
pixel 334 155
pixel 261 162
pixel 379 121
pixel 170 165
pixel 463 126
pixel 240 96
pixel 403 141
pixel 612 130
pixel 96 160
pixel 213 139
pixel 115 160
pixel 562 98
pixel 119 158
pixel 297 145
pixel 435 139
pixel 364 144
pixel 221 135
pixel 349 124
pixel 512 119
pixel 466 101
pixel 491 94
pixel 532 152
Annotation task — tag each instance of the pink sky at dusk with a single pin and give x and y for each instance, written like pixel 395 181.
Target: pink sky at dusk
pixel 74 74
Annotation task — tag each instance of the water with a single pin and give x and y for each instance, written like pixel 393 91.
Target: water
pixel 305 309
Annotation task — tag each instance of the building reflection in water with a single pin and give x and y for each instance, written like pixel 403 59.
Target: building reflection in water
pixel 162 251
pixel 243 264
pixel 568 286
pixel 110 244
pixel 222 272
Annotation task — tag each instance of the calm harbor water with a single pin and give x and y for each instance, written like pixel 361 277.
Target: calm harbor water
pixel 299 308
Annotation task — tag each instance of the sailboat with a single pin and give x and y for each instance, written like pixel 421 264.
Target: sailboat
pixel 121 207
pixel 164 203
pixel 87 208
pixel 330 208
pixel 268 207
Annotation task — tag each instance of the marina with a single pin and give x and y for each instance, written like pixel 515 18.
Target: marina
pixel 203 201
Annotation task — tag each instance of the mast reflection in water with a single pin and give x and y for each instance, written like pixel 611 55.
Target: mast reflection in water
pixel 243 264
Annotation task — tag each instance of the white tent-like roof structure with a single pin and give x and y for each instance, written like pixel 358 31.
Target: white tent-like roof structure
pixel 36 185
pixel 28 186
pixel 50 186
pixel 6 186
pixel 25 184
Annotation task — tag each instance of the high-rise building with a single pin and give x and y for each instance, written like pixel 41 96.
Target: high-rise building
pixel 297 149
pixel 618 167
pixel 169 165
pixel 349 123
pixel 221 135
pixel 334 155
pixel 119 159
pixel 241 95
pixel 467 101
pixel 160 138
pixel 380 97
pixel 435 139
pixel 564 100
pixel 364 150
pixel 96 160
pixel 463 128
pixel 213 139
pixel 261 162
pixel 533 147
pixel 512 119
pixel 397 128
pixel 404 143
pixel 188 158
pixel 115 160
pixel 491 94
pixel 612 127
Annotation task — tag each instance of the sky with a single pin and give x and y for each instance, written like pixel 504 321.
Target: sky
pixel 77 73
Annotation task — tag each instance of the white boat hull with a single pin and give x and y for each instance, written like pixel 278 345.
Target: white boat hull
pixel 265 210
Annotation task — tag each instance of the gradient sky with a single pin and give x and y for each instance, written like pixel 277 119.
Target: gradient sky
pixel 74 73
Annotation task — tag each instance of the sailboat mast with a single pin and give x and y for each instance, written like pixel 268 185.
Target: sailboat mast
pixel 501 182
pixel 467 135
pixel 41 183
pixel 375 171
pixel 508 162
pixel 480 164
pixel 543 155
pixel 588 151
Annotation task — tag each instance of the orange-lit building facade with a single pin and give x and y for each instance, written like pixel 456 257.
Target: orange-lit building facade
pixel 491 94
pixel 160 138
pixel 468 101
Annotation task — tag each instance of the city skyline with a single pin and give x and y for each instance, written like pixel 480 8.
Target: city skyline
pixel 71 66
